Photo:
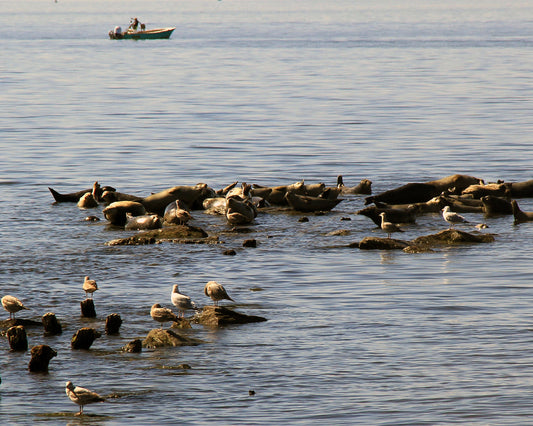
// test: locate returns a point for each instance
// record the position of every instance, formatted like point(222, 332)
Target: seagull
point(452, 217)
point(12, 305)
point(181, 301)
point(89, 286)
point(162, 315)
point(81, 396)
point(388, 227)
point(216, 292)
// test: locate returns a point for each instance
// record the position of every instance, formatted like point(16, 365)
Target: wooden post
point(84, 338)
point(51, 325)
point(40, 358)
point(87, 308)
point(16, 336)
point(112, 324)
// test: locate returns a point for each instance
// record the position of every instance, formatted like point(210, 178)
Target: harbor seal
point(192, 196)
point(519, 215)
point(422, 192)
point(116, 212)
point(144, 222)
point(494, 206)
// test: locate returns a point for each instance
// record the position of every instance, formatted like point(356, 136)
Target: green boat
point(141, 35)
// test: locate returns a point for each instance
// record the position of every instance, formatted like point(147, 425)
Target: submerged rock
point(217, 316)
point(377, 243)
point(185, 234)
point(159, 338)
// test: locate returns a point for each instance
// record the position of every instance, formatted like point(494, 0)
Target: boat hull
point(160, 33)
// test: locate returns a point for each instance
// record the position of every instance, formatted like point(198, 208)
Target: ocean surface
point(269, 92)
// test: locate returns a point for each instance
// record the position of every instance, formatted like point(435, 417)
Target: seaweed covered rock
point(377, 243)
point(177, 233)
point(216, 316)
point(453, 236)
point(158, 338)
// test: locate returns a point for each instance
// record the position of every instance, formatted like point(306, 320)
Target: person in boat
point(134, 24)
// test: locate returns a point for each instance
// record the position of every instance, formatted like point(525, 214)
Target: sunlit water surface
point(270, 93)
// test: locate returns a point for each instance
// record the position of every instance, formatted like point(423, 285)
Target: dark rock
point(26, 323)
point(84, 338)
point(135, 346)
point(249, 243)
point(229, 252)
point(158, 338)
point(87, 308)
point(453, 236)
point(216, 316)
point(376, 243)
point(17, 338)
point(184, 234)
point(112, 324)
point(303, 219)
point(52, 326)
point(40, 358)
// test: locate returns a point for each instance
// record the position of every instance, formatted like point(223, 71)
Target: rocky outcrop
point(159, 338)
point(184, 234)
point(217, 316)
point(453, 236)
point(377, 243)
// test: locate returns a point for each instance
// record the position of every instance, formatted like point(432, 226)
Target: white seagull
point(12, 305)
point(388, 227)
point(89, 286)
point(181, 301)
point(216, 292)
point(162, 315)
point(81, 396)
point(452, 217)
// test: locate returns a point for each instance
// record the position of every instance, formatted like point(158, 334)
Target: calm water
point(269, 92)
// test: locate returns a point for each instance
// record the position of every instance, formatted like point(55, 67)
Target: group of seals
point(458, 193)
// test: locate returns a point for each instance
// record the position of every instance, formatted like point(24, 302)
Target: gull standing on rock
point(181, 301)
point(12, 305)
point(452, 217)
point(81, 396)
point(89, 286)
point(216, 292)
point(388, 227)
point(162, 315)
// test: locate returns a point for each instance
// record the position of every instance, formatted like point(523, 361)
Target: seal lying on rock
point(239, 211)
point(144, 222)
point(494, 189)
point(116, 212)
point(521, 189)
point(74, 197)
point(407, 215)
point(364, 187)
point(494, 206)
point(306, 203)
point(422, 192)
point(193, 196)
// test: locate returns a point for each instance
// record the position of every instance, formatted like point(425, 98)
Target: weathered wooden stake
point(16, 336)
point(112, 324)
point(87, 308)
point(84, 338)
point(40, 358)
point(51, 325)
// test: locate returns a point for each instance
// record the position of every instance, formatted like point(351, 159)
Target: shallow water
point(269, 93)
